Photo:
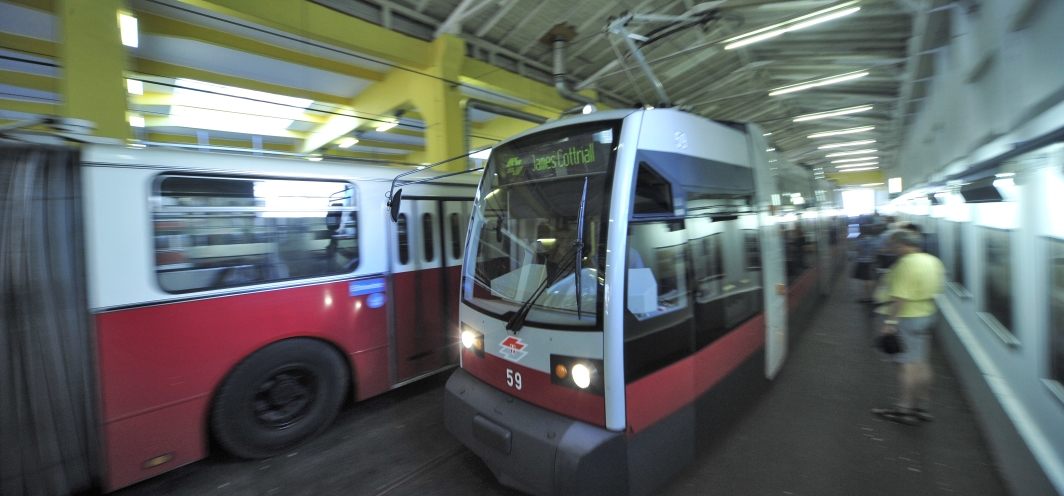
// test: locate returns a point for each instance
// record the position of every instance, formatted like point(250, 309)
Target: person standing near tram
point(907, 293)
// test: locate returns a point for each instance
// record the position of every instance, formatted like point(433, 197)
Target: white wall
point(999, 84)
point(994, 86)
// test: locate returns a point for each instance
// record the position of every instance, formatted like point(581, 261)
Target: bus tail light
point(582, 374)
point(473, 341)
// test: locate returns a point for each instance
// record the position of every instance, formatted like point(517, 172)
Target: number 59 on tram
point(622, 279)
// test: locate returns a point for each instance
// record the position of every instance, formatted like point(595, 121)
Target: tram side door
point(420, 344)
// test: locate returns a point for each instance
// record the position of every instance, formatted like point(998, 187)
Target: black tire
point(278, 397)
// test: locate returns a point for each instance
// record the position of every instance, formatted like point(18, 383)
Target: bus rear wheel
point(278, 397)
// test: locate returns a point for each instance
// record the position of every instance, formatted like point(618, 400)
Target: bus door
point(426, 336)
point(454, 223)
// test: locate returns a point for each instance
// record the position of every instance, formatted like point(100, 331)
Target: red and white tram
point(625, 285)
point(246, 298)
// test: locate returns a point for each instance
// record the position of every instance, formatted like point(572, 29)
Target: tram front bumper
point(530, 448)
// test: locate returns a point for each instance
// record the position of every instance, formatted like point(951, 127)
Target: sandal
point(897, 415)
point(922, 414)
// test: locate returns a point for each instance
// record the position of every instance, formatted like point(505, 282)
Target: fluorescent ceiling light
point(201, 105)
point(862, 164)
point(767, 134)
point(868, 185)
point(386, 126)
point(855, 152)
point(770, 150)
point(135, 87)
point(818, 82)
point(832, 113)
point(851, 130)
point(347, 142)
point(859, 159)
point(795, 24)
point(859, 169)
point(127, 25)
point(192, 93)
point(848, 143)
point(136, 120)
point(220, 120)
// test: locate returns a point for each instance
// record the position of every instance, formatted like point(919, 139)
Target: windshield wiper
point(517, 320)
point(579, 245)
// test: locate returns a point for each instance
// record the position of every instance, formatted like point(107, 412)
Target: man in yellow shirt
point(908, 293)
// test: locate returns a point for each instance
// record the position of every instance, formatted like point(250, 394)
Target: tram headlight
point(581, 375)
point(473, 341)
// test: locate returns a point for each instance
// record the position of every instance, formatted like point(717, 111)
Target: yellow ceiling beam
point(33, 46)
point(333, 152)
point(29, 107)
point(41, 5)
point(27, 80)
point(163, 69)
point(388, 144)
point(325, 25)
point(857, 178)
point(158, 25)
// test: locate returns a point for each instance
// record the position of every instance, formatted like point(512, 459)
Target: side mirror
point(397, 197)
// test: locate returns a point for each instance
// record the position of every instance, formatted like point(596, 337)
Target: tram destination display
point(569, 155)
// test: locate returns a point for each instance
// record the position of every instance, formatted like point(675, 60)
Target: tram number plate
point(513, 379)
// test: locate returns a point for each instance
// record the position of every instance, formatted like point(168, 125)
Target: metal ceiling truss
point(690, 67)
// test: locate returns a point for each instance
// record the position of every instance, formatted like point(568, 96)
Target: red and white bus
point(246, 297)
point(625, 286)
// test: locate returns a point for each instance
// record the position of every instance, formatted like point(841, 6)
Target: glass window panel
point(404, 239)
point(1056, 310)
point(653, 194)
point(998, 276)
point(216, 232)
point(958, 254)
point(656, 269)
point(456, 237)
point(426, 236)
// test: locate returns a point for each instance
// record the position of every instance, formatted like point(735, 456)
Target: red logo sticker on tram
point(513, 349)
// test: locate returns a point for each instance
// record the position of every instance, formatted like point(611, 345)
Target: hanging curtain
point(49, 441)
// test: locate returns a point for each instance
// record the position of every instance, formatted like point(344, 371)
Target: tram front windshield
point(526, 246)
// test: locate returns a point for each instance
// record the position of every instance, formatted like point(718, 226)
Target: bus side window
point(224, 232)
point(426, 236)
point(404, 239)
point(456, 234)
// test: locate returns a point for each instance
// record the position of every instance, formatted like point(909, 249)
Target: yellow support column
point(93, 58)
point(438, 99)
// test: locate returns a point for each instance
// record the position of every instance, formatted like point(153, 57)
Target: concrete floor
point(810, 434)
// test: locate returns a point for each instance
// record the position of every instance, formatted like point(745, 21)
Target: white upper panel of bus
point(118, 185)
point(174, 159)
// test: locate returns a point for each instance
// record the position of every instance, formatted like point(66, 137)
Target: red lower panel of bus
point(800, 289)
point(657, 395)
point(159, 364)
point(536, 387)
